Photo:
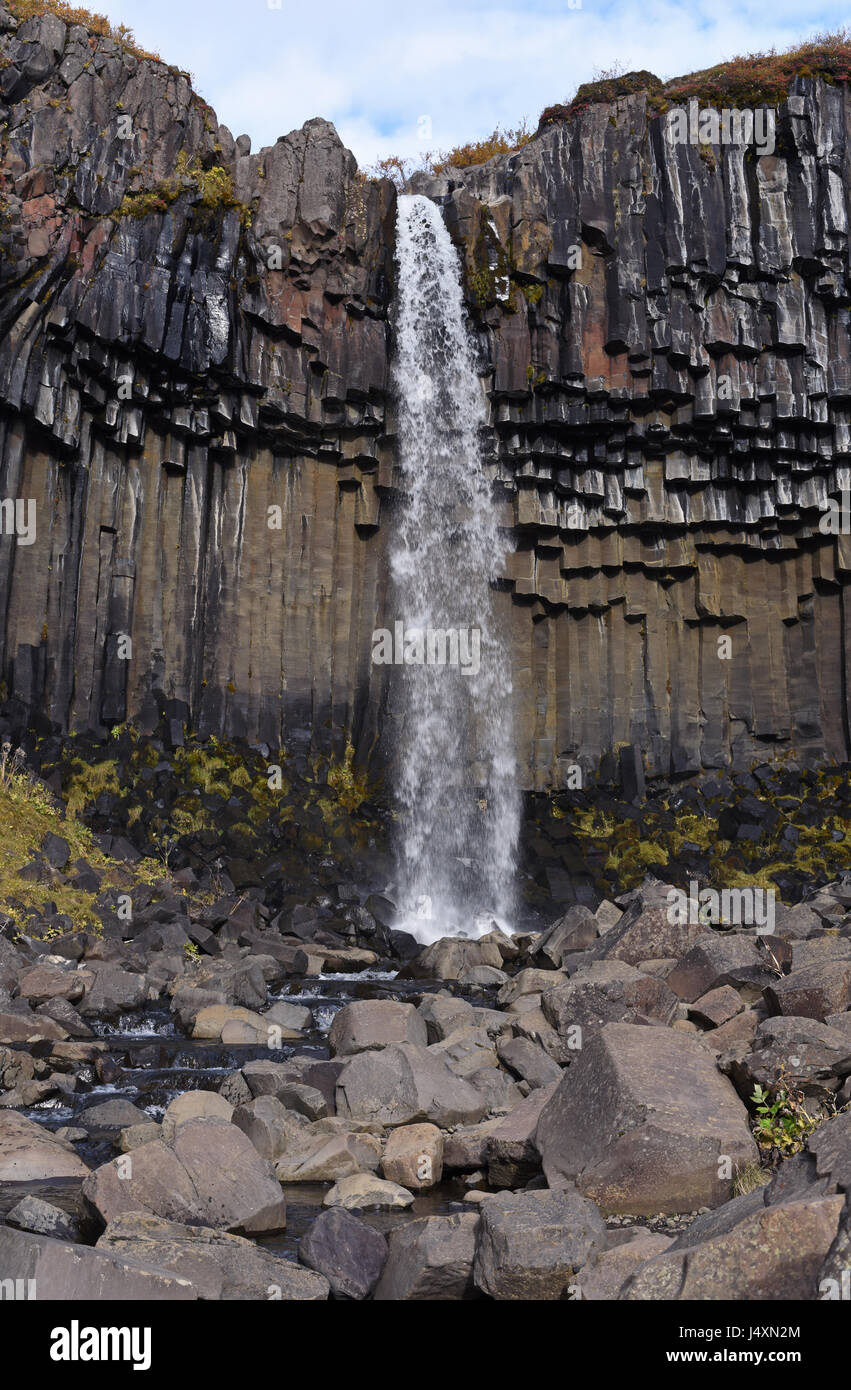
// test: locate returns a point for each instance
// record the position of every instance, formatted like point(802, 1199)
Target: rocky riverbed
point(217, 1094)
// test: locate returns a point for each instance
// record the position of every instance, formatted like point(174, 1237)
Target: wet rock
point(531, 1245)
point(662, 1116)
point(112, 991)
point(211, 1022)
point(431, 1258)
point(292, 1018)
point(111, 1116)
point(447, 958)
point(345, 1251)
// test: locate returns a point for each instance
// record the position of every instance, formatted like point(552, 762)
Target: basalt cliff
point(195, 395)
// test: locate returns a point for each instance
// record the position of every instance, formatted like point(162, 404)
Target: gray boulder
point(662, 1113)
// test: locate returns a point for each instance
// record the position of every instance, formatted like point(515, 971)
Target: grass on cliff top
point(751, 79)
point(97, 24)
point(500, 141)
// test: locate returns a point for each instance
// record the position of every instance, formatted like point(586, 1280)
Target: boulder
point(111, 991)
point(211, 1022)
point(608, 991)
point(402, 1083)
point(430, 1259)
point(366, 1192)
point(373, 1023)
point(217, 1265)
point(324, 1157)
point(443, 1014)
point(576, 930)
point(717, 1006)
point(447, 958)
point(662, 1116)
point(30, 1153)
point(211, 1176)
point(345, 1251)
point(44, 982)
point(718, 960)
point(529, 1062)
point(605, 1275)
point(413, 1156)
point(66, 1273)
point(813, 991)
point(510, 1151)
point(774, 1255)
point(194, 1105)
point(44, 1219)
point(110, 1116)
point(271, 1128)
point(646, 932)
point(532, 1244)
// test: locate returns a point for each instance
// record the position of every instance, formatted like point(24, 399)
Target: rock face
point(662, 1118)
point(193, 374)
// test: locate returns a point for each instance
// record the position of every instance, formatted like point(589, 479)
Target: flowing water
point(455, 776)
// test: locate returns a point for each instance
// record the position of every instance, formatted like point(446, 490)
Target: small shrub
point(782, 1124)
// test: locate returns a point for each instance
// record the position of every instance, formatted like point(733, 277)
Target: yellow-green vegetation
point(214, 186)
point(313, 811)
point(626, 848)
point(87, 781)
point(351, 785)
point(27, 813)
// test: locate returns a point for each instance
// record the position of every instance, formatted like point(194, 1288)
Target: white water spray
point(455, 774)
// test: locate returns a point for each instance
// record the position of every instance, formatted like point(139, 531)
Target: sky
point(416, 75)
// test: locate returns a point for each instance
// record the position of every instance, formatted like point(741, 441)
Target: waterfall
point(455, 783)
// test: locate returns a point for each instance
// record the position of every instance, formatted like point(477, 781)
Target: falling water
point(454, 779)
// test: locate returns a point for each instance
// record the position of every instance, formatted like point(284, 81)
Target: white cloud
point(375, 67)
